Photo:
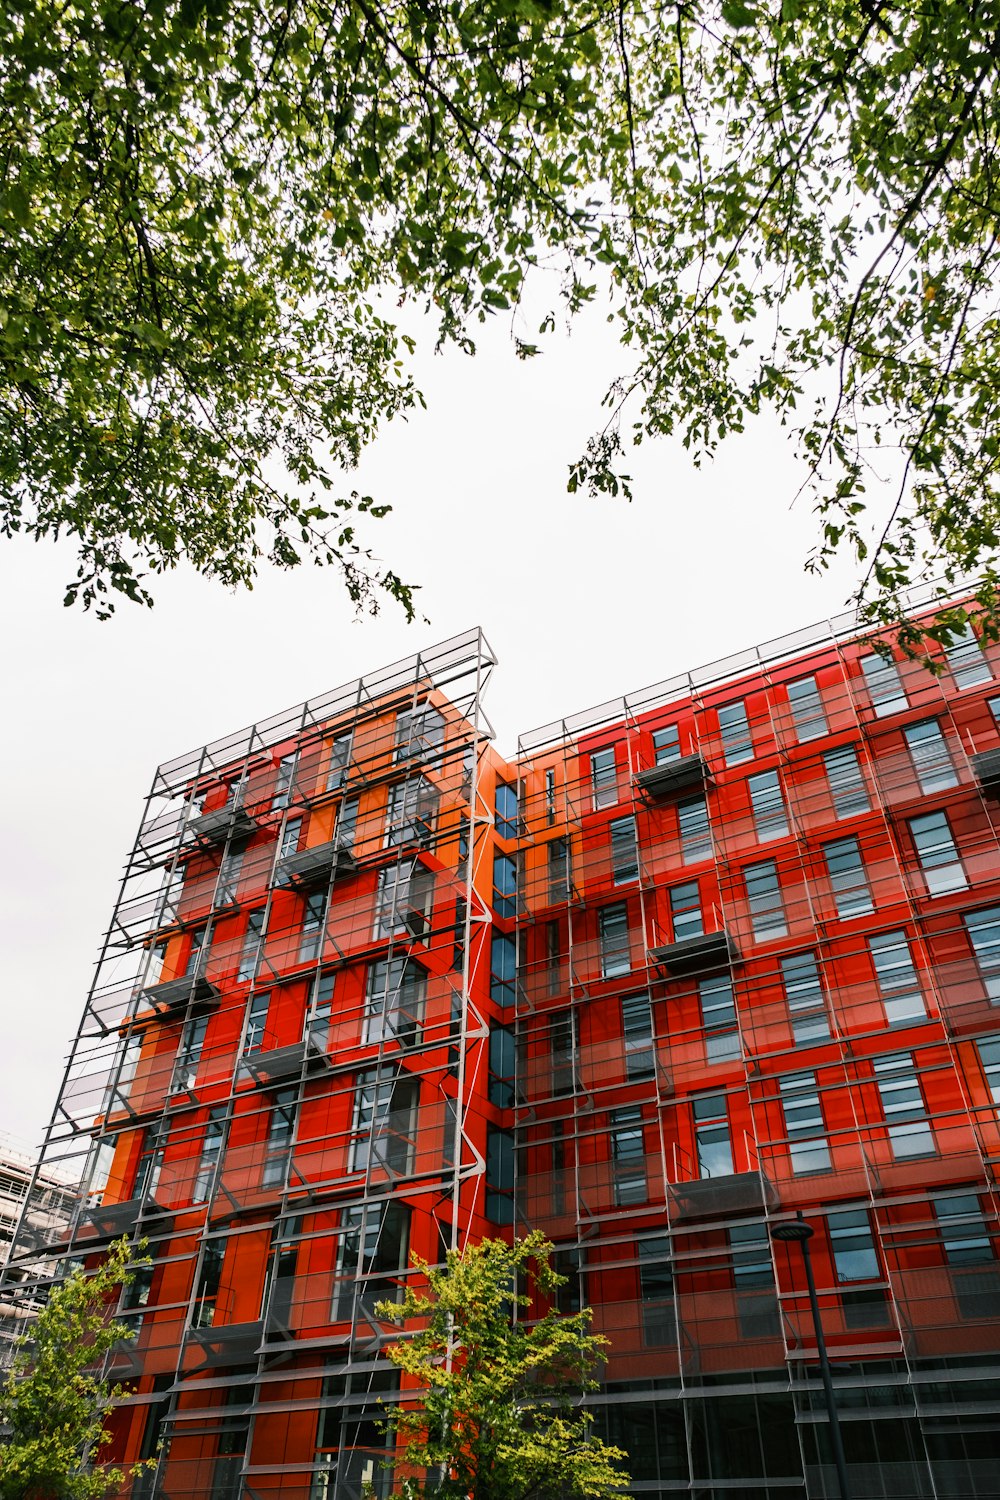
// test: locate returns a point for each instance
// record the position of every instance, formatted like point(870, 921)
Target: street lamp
point(797, 1231)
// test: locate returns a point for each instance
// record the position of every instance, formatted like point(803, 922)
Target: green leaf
point(736, 13)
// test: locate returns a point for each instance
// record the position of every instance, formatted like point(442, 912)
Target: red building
point(708, 956)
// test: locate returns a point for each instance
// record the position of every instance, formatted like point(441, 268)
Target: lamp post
point(797, 1231)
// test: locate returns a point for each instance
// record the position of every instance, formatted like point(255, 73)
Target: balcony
point(114, 1219)
point(315, 866)
point(308, 1055)
point(214, 828)
point(174, 994)
point(709, 950)
point(126, 1362)
point(718, 1197)
point(227, 1343)
point(986, 767)
point(672, 776)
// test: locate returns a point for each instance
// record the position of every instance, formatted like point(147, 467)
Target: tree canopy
point(55, 1400)
point(209, 210)
point(497, 1413)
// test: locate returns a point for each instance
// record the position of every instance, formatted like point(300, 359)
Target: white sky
point(581, 600)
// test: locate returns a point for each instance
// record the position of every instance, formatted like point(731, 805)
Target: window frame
point(614, 940)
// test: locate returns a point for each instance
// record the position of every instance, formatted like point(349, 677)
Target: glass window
point(501, 1086)
point(550, 795)
point(624, 851)
point(804, 1124)
point(604, 778)
point(281, 1131)
point(312, 926)
point(553, 958)
point(854, 1255)
point(563, 1043)
point(283, 780)
point(464, 834)
point(290, 836)
point(750, 1248)
point(253, 938)
point(734, 730)
point(848, 880)
point(753, 1279)
point(968, 665)
point(322, 996)
point(768, 806)
point(189, 1054)
point(147, 1175)
point(197, 951)
point(404, 899)
point(567, 1260)
point(903, 1106)
point(154, 965)
point(628, 1156)
point(983, 928)
point(352, 1433)
point(505, 885)
point(347, 823)
point(616, 957)
point(211, 1150)
point(499, 1175)
point(718, 1017)
point(856, 1260)
point(884, 685)
point(213, 1252)
point(767, 910)
point(685, 911)
point(637, 1031)
point(458, 934)
point(371, 1253)
point(847, 782)
point(231, 1447)
point(963, 1229)
point(412, 811)
point(989, 1058)
point(253, 1040)
point(130, 1053)
point(394, 1001)
point(897, 978)
point(656, 1290)
point(559, 870)
point(508, 822)
point(711, 1134)
point(229, 876)
point(171, 896)
point(560, 1175)
point(503, 969)
point(385, 1121)
point(666, 745)
point(419, 732)
point(806, 705)
point(804, 995)
point(929, 752)
point(937, 854)
point(695, 834)
point(340, 760)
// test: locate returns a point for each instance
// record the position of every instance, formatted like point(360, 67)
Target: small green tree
point(54, 1399)
point(499, 1415)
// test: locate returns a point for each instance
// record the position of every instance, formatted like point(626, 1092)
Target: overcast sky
point(582, 600)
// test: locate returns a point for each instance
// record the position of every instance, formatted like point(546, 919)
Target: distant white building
point(51, 1209)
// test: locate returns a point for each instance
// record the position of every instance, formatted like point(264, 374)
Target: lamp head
point(793, 1230)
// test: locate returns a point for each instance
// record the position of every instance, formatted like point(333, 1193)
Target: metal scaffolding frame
point(339, 849)
point(350, 858)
